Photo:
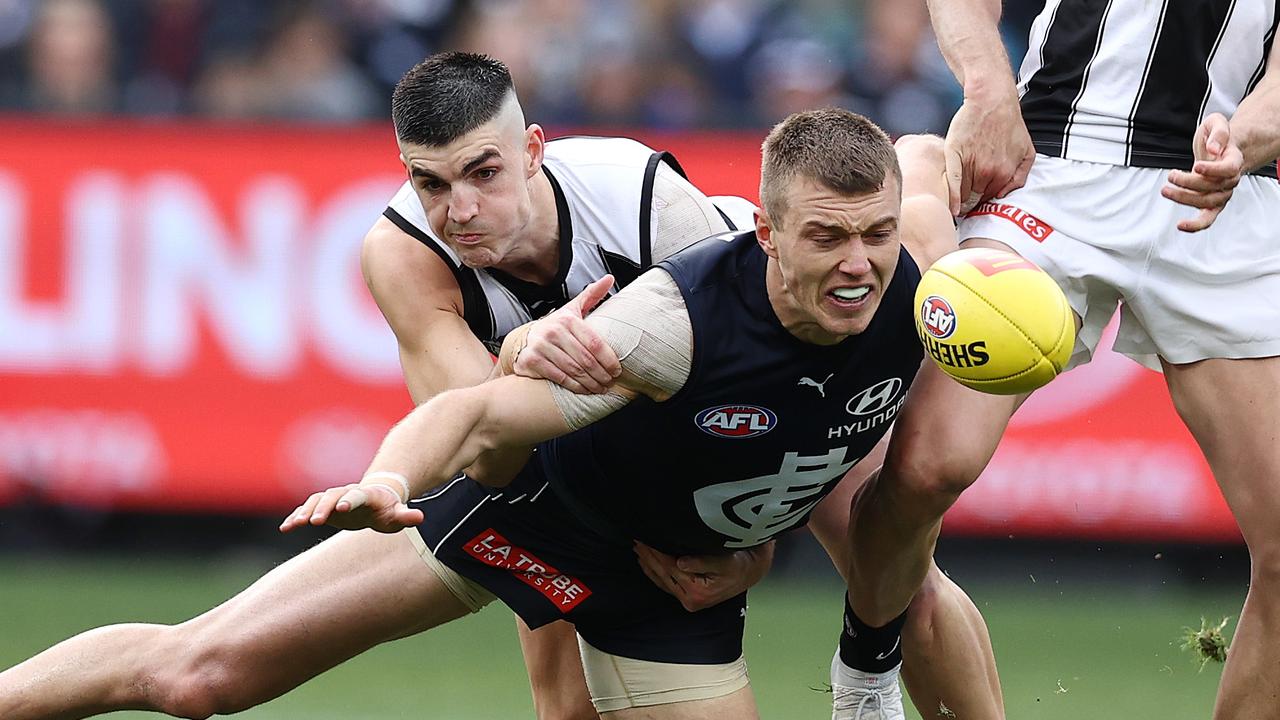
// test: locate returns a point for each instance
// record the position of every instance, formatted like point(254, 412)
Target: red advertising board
point(183, 326)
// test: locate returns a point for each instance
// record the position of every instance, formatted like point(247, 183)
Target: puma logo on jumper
point(814, 383)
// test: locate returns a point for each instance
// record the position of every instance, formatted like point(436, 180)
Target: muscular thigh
point(1230, 408)
point(830, 520)
point(346, 594)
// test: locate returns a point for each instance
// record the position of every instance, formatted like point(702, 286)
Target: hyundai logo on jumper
point(736, 421)
point(875, 398)
point(871, 408)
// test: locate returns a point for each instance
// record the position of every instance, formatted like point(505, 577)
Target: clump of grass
point(1207, 643)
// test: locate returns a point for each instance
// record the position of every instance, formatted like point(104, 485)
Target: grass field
point(1065, 650)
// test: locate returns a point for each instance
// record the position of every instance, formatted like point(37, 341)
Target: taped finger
point(355, 498)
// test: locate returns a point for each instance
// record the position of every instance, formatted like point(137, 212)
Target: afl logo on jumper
point(736, 421)
point(937, 317)
point(875, 398)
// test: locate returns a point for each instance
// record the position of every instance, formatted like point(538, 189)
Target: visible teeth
point(845, 293)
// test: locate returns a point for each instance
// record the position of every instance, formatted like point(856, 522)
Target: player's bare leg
point(555, 672)
point(1230, 407)
point(347, 594)
point(947, 657)
point(941, 442)
point(739, 705)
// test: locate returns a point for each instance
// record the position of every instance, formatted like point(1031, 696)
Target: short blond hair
point(839, 149)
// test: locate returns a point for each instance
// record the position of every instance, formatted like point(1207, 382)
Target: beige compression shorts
point(468, 592)
point(618, 683)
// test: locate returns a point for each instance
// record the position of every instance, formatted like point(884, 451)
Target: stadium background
point(186, 347)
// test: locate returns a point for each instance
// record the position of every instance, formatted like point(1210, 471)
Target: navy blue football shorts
point(524, 545)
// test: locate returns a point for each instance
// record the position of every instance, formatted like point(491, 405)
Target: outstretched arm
point(989, 152)
point(647, 326)
point(431, 445)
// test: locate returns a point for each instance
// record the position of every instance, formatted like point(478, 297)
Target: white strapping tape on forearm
point(404, 493)
point(648, 327)
point(649, 321)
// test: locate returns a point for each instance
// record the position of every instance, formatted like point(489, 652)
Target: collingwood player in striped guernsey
point(496, 227)
point(1149, 149)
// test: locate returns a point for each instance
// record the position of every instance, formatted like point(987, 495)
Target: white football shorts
point(1108, 237)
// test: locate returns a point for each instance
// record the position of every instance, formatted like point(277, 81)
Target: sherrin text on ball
point(994, 321)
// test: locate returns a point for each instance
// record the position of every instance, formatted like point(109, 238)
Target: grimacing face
point(475, 190)
point(834, 255)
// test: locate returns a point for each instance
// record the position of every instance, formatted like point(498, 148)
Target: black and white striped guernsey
point(604, 193)
point(1127, 82)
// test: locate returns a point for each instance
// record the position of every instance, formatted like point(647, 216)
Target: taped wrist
point(380, 478)
point(512, 344)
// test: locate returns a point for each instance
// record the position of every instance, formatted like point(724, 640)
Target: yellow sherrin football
point(994, 321)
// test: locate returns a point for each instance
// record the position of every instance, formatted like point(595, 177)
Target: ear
point(535, 146)
point(405, 163)
point(764, 234)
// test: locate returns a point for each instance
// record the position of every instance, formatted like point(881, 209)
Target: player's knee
point(204, 689)
point(932, 480)
point(200, 680)
point(1264, 573)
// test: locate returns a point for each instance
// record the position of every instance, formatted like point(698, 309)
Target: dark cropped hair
point(448, 95)
point(839, 149)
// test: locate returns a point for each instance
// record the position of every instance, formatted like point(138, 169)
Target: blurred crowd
point(603, 63)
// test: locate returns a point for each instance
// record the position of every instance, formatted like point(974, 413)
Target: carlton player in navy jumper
point(1154, 126)
point(714, 344)
point(536, 233)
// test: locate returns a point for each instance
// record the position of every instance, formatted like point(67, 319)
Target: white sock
point(846, 677)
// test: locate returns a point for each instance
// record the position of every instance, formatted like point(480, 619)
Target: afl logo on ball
point(736, 421)
point(937, 317)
